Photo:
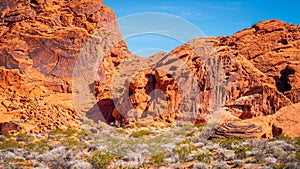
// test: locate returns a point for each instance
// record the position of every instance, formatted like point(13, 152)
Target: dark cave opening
point(282, 83)
point(35, 2)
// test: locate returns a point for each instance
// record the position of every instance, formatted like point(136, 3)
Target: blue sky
point(213, 18)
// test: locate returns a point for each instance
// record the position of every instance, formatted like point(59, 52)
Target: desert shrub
point(84, 134)
point(40, 146)
point(56, 131)
point(199, 125)
point(121, 131)
point(241, 151)
point(190, 134)
point(238, 163)
point(141, 133)
point(11, 143)
point(227, 142)
point(101, 159)
point(158, 158)
point(279, 166)
point(183, 149)
point(222, 165)
point(200, 165)
point(24, 137)
point(298, 155)
point(73, 143)
point(283, 137)
point(68, 132)
point(203, 157)
point(297, 141)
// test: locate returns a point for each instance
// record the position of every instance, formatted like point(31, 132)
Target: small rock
point(175, 166)
point(34, 163)
point(248, 166)
point(126, 158)
point(223, 165)
point(200, 165)
point(81, 164)
point(169, 160)
point(20, 139)
point(238, 163)
point(199, 144)
point(2, 138)
point(229, 156)
point(251, 153)
point(94, 131)
point(270, 160)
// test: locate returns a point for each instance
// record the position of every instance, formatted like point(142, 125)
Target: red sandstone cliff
point(40, 41)
point(252, 75)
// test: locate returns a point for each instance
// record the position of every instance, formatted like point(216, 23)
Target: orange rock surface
point(39, 45)
point(252, 74)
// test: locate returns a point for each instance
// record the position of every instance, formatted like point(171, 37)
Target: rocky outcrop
point(286, 121)
point(26, 107)
point(272, 47)
point(44, 38)
point(40, 44)
point(9, 128)
point(266, 73)
point(153, 96)
point(250, 74)
point(47, 54)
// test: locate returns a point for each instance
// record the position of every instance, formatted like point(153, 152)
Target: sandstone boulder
point(236, 129)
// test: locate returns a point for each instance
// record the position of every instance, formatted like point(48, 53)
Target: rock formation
point(39, 46)
point(254, 80)
point(237, 129)
point(47, 55)
point(266, 78)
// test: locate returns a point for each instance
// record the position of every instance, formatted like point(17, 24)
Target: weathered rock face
point(251, 74)
point(153, 96)
point(43, 38)
point(287, 120)
point(265, 76)
point(26, 107)
point(258, 76)
point(40, 42)
point(272, 47)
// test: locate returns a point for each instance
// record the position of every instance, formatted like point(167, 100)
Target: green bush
point(283, 137)
point(241, 151)
point(24, 137)
point(157, 159)
point(72, 143)
point(121, 131)
point(298, 154)
point(227, 142)
point(297, 141)
point(279, 166)
point(183, 149)
point(40, 146)
point(203, 157)
point(141, 133)
point(68, 132)
point(56, 131)
point(101, 159)
point(11, 143)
